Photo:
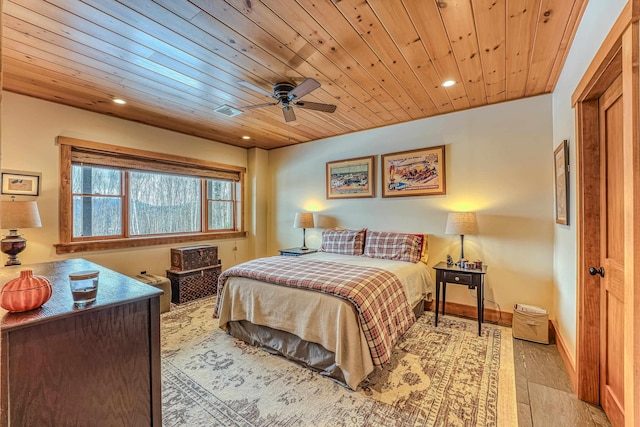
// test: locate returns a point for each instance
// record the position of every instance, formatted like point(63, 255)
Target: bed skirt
point(308, 354)
point(311, 355)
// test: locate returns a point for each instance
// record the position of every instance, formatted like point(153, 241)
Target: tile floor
point(544, 393)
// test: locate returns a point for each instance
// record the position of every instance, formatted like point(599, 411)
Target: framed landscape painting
point(351, 178)
point(414, 173)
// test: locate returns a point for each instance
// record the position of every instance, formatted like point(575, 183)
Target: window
point(97, 201)
point(118, 197)
point(220, 204)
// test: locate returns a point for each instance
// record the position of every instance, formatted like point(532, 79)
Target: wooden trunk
point(193, 284)
point(193, 257)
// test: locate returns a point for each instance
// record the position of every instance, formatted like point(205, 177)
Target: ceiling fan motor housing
point(281, 91)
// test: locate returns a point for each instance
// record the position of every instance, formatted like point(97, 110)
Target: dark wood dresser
point(97, 366)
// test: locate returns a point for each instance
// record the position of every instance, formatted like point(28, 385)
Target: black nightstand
point(471, 277)
point(297, 251)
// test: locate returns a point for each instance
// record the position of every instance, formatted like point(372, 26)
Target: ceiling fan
point(287, 95)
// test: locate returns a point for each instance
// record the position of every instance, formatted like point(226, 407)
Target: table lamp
point(303, 220)
point(462, 223)
point(14, 215)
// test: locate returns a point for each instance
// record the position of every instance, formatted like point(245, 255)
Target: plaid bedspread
point(377, 294)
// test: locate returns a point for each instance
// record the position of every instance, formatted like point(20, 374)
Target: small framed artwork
point(351, 178)
point(414, 173)
point(20, 184)
point(561, 169)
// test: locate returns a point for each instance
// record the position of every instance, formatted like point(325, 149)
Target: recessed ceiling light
point(119, 101)
point(246, 137)
point(448, 83)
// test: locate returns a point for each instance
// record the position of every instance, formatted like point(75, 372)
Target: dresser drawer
point(455, 277)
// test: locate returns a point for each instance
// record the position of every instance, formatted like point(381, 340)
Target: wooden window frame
point(72, 149)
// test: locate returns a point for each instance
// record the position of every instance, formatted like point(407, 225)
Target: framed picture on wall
point(351, 178)
point(20, 184)
point(561, 168)
point(414, 173)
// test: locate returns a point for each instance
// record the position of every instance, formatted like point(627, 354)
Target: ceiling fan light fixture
point(119, 101)
point(448, 83)
point(288, 113)
point(246, 137)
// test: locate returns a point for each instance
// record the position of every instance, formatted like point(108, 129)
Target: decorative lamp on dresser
point(98, 365)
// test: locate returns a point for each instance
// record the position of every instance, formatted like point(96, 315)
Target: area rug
point(444, 376)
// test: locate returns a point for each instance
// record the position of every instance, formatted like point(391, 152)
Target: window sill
point(136, 242)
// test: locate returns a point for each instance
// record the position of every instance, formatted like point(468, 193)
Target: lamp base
point(461, 261)
point(12, 245)
point(304, 240)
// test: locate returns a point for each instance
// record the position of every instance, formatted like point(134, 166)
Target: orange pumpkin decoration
point(25, 292)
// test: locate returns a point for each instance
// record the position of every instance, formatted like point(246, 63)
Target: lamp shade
point(462, 223)
point(14, 215)
point(303, 220)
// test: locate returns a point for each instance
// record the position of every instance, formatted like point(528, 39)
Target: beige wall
point(29, 129)
point(595, 25)
point(498, 163)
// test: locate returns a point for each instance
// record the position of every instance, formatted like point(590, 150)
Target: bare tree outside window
point(162, 203)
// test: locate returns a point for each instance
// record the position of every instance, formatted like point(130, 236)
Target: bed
point(320, 329)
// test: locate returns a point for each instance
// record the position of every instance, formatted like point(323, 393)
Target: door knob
point(593, 271)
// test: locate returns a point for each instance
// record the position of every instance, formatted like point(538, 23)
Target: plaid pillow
point(395, 246)
point(345, 242)
point(424, 251)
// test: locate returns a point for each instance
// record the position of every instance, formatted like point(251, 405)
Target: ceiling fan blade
point(308, 85)
point(288, 113)
point(255, 88)
point(327, 108)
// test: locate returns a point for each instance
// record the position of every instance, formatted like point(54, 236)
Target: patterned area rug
point(445, 376)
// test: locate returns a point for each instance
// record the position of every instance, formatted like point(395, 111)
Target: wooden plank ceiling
point(379, 61)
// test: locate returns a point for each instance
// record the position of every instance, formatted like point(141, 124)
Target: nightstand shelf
point(297, 251)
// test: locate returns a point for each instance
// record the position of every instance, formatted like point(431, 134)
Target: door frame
point(617, 55)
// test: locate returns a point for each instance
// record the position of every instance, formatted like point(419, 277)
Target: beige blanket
point(315, 317)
